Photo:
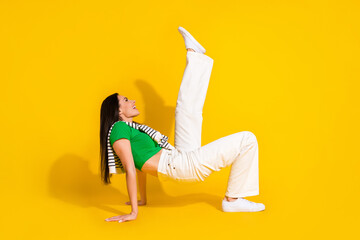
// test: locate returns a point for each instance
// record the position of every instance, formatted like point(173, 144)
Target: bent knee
point(251, 136)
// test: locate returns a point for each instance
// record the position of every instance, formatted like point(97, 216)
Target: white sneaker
point(242, 205)
point(190, 41)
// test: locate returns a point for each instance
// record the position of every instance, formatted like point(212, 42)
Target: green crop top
point(143, 146)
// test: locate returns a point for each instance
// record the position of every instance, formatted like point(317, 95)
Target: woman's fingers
point(115, 218)
point(121, 218)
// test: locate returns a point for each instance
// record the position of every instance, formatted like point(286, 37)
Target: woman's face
point(127, 108)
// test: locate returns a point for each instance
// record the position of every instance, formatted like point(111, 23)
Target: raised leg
point(190, 101)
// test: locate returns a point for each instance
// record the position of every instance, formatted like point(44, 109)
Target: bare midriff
point(151, 165)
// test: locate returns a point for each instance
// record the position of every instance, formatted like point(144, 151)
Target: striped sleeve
point(120, 130)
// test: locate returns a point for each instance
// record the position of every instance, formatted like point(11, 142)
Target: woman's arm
point(142, 186)
point(122, 148)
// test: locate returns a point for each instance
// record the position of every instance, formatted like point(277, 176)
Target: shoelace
point(250, 202)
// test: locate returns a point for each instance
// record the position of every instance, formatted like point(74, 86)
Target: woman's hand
point(122, 218)
point(140, 203)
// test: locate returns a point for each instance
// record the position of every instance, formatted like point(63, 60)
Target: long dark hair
point(109, 114)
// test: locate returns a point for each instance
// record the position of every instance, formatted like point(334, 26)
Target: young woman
point(136, 149)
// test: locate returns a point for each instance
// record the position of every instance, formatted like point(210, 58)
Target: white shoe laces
point(252, 203)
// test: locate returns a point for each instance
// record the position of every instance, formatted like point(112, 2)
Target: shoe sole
point(197, 44)
point(245, 211)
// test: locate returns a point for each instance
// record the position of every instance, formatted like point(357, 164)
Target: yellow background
point(288, 71)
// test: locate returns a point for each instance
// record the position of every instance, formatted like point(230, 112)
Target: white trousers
point(190, 161)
